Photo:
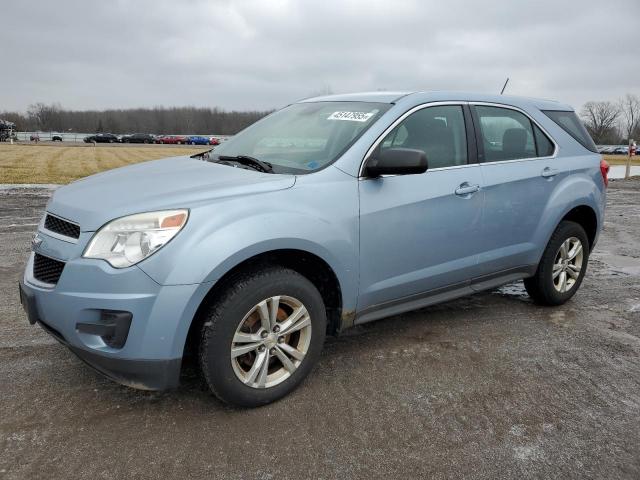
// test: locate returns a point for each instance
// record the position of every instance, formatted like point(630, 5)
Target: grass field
point(621, 159)
point(63, 164)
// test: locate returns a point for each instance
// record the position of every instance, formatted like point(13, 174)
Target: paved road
point(489, 386)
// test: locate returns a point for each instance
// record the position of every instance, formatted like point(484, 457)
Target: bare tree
point(45, 117)
point(630, 118)
point(600, 118)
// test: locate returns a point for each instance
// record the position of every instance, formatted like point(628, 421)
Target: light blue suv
point(329, 213)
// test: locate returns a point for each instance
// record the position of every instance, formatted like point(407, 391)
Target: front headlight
point(128, 240)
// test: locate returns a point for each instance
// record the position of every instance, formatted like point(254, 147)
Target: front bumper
point(160, 317)
point(141, 374)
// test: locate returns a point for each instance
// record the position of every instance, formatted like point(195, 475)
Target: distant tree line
point(608, 122)
point(157, 120)
point(613, 123)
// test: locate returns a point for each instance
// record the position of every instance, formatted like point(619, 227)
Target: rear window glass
point(506, 134)
point(571, 124)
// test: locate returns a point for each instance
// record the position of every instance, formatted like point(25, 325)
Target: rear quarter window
point(544, 146)
point(571, 124)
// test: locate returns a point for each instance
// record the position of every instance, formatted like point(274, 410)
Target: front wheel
point(562, 267)
point(262, 336)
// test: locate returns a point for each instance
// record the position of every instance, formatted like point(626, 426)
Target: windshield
point(303, 137)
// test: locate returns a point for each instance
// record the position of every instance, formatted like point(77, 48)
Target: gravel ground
point(489, 386)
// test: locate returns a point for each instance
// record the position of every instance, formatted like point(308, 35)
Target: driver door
point(419, 233)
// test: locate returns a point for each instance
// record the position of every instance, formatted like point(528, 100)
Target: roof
point(440, 96)
point(379, 97)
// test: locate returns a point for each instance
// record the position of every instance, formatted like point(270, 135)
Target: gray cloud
point(257, 54)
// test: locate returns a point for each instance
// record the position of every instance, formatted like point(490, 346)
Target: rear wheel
point(262, 337)
point(562, 267)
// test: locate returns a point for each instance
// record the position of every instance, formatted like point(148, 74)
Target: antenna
point(504, 86)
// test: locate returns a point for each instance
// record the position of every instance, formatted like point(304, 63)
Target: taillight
point(604, 169)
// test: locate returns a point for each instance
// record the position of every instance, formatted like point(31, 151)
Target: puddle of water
point(622, 264)
point(560, 318)
point(513, 290)
point(617, 171)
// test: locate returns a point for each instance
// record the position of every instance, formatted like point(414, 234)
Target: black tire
point(541, 286)
point(224, 316)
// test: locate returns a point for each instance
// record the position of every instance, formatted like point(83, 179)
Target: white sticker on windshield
point(351, 116)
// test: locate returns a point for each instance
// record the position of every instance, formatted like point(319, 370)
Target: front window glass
point(304, 137)
point(438, 131)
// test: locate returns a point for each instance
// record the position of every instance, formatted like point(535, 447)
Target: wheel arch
point(580, 212)
point(310, 265)
point(586, 217)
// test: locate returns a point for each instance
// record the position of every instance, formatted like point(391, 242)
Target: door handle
point(549, 172)
point(466, 189)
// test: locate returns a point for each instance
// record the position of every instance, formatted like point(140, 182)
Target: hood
point(178, 182)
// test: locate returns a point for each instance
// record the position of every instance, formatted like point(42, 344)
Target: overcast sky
point(259, 54)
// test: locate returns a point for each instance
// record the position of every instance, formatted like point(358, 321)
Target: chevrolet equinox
point(329, 213)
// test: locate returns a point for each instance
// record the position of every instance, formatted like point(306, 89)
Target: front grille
point(47, 269)
point(63, 227)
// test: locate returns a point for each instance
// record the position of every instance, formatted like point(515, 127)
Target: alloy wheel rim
point(271, 341)
point(568, 264)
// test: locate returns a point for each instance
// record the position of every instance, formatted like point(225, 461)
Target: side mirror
point(396, 161)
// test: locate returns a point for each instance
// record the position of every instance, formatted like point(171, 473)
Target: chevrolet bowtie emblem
point(36, 241)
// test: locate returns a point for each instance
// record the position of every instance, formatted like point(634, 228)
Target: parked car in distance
point(329, 213)
point(101, 138)
point(197, 140)
point(138, 138)
point(56, 138)
point(214, 141)
point(173, 139)
point(621, 151)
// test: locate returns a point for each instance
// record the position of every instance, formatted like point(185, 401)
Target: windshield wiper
point(265, 167)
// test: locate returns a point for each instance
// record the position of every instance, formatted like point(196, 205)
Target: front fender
point(220, 236)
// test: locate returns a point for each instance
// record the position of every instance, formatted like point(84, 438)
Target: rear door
point(519, 171)
point(419, 233)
